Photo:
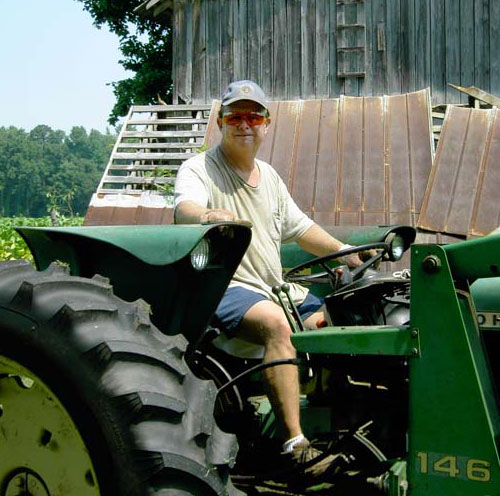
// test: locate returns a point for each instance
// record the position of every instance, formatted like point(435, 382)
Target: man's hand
point(216, 215)
point(352, 260)
point(220, 215)
point(367, 254)
point(357, 259)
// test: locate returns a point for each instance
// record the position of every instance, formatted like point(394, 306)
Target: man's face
point(240, 125)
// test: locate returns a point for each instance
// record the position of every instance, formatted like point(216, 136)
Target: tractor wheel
point(94, 400)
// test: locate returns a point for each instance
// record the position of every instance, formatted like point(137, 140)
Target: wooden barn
point(311, 49)
point(355, 86)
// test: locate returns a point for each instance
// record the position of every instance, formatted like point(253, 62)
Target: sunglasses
point(251, 118)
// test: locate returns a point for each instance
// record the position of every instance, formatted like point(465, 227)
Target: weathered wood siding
point(293, 47)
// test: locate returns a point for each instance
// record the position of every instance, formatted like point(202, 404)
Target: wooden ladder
point(351, 38)
point(152, 144)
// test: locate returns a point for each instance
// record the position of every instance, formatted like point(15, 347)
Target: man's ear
point(268, 123)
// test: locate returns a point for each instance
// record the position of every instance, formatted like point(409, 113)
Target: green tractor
point(112, 383)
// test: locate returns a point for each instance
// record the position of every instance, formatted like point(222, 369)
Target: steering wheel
point(355, 273)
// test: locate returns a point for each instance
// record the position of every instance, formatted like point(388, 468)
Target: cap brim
point(239, 98)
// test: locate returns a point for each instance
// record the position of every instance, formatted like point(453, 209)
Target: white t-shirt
point(210, 181)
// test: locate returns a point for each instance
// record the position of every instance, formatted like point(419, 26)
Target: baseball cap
point(244, 90)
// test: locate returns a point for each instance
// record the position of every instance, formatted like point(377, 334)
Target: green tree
point(44, 168)
point(19, 161)
point(147, 52)
point(83, 168)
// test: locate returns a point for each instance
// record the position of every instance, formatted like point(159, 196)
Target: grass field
point(12, 246)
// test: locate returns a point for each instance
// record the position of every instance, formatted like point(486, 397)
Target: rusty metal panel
point(302, 183)
point(356, 160)
point(421, 153)
point(409, 154)
point(118, 216)
point(388, 157)
point(374, 198)
point(462, 194)
point(323, 208)
point(109, 216)
point(284, 139)
point(266, 150)
point(399, 161)
point(118, 209)
point(350, 167)
point(486, 215)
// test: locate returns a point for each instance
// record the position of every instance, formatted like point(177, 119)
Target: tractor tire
point(94, 400)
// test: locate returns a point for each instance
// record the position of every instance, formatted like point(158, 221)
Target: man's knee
point(266, 322)
point(279, 330)
point(317, 319)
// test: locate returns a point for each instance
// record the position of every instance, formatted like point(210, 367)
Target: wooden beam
point(146, 145)
point(163, 134)
point(152, 156)
point(138, 180)
point(143, 167)
point(150, 122)
point(478, 94)
point(169, 108)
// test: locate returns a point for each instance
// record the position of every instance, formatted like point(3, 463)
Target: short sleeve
point(189, 185)
point(295, 222)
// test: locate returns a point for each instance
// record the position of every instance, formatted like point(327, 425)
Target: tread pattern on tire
point(168, 410)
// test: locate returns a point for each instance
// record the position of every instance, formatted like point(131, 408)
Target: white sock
point(288, 445)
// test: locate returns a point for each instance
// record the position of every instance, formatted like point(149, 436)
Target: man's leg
point(316, 319)
point(265, 323)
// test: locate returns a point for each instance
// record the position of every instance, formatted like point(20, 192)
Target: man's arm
point(189, 212)
point(318, 242)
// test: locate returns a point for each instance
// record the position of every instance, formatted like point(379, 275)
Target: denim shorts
point(237, 301)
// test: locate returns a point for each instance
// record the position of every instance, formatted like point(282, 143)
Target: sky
point(55, 66)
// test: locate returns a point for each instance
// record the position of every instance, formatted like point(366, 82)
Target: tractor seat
point(221, 365)
point(237, 347)
point(220, 339)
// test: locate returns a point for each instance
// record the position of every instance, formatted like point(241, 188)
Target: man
point(226, 183)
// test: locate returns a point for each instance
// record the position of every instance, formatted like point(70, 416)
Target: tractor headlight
point(200, 255)
point(397, 247)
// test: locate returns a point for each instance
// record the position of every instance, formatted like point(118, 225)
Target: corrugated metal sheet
point(486, 214)
point(462, 195)
point(353, 160)
point(117, 215)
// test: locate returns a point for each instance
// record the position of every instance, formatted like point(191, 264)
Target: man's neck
point(241, 159)
point(243, 163)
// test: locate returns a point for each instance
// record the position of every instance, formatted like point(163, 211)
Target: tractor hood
point(360, 235)
point(182, 271)
point(292, 254)
point(154, 245)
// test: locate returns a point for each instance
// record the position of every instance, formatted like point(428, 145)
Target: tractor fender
point(153, 263)
point(152, 244)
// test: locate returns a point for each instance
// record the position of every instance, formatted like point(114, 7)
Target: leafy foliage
point(12, 246)
point(43, 166)
point(147, 52)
